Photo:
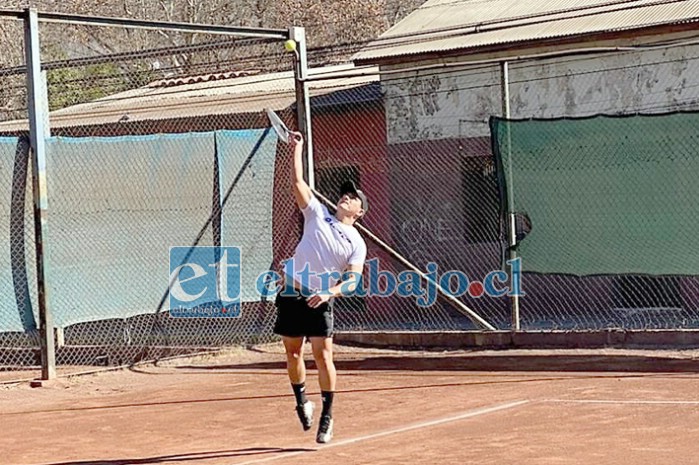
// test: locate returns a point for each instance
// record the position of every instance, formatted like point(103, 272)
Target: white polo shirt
point(326, 245)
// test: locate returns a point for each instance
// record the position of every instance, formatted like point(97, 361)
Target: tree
point(335, 29)
point(75, 85)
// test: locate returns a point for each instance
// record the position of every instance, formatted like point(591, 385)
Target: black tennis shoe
point(325, 430)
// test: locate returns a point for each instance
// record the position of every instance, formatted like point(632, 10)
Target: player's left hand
point(316, 300)
point(295, 139)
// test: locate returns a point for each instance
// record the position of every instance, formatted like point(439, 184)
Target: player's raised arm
point(299, 187)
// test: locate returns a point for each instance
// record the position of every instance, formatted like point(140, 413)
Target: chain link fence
point(146, 153)
point(19, 336)
point(158, 147)
point(653, 81)
point(438, 192)
point(19, 340)
point(175, 193)
point(433, 199)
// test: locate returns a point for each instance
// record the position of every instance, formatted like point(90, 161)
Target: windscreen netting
point(118, 204)
point(603, 195)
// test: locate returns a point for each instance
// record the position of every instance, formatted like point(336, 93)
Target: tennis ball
point(290, 45)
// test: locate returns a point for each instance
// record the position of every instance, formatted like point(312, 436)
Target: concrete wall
point(436, 104)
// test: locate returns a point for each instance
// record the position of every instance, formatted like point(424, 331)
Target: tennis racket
point(278, 125)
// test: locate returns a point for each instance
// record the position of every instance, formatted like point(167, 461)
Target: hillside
point(335, 29)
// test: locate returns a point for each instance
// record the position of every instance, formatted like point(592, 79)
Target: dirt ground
point(392, 407)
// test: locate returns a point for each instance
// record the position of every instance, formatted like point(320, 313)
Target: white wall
point(435, 104)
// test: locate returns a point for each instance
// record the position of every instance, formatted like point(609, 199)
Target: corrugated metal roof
point(236, 95)
point(445, 25)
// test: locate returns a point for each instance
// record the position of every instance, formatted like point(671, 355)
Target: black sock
point(299, 393)
point(327, 397)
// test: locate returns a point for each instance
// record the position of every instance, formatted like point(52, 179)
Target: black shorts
point(296, 319)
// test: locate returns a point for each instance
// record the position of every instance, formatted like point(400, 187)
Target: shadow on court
point(189, 457)
point(505, 363)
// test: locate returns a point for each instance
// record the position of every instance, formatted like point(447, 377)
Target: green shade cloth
point(246, 167)
point(17, 266)
point(117, 205)
point(604, 195)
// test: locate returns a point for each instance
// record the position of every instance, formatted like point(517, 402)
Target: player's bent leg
point(296, 369)
point(295, 365)
point(323, 355)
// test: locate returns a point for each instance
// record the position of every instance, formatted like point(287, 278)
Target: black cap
point(349, 186)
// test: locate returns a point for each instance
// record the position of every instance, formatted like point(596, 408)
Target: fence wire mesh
point(647, 82)
point(438, 190)
point(433, 199)
point(19, 340)
point(13, 100)
point(417, 142)
point(151, 197)
point(19, 335)
point(149, 149)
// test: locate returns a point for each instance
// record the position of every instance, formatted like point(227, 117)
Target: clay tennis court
point(525, 407)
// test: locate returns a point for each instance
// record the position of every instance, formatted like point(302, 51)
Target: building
point(441, 71)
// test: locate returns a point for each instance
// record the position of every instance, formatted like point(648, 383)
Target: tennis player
point(330, 246)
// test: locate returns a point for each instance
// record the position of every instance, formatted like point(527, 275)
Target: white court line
point(621, 402)
point(426, 424)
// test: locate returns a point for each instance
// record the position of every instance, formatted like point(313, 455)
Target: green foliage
point(71, 86)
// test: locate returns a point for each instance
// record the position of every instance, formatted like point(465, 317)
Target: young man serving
point(326, 264)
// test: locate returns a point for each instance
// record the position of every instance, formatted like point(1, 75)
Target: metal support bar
point(17, 14)
point(475, 317)
point(512, 226)
point(38, 107)
point(262, 33)
point(112, 57)
point(303, 99)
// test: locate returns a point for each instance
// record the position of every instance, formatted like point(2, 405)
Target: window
point(329, 179)
point(481, 200)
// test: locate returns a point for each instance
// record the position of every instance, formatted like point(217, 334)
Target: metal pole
point(252, 32)
point(512, 226)
point(303, 99)
point(38, 108)
point(391, 251)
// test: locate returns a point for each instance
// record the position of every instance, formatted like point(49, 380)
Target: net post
point(511, 224)
point(38, 127)
point(303, 100)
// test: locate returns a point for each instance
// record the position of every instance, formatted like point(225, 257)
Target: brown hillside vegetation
point(335, 29)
